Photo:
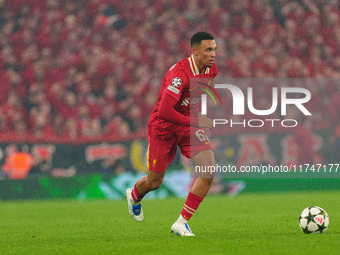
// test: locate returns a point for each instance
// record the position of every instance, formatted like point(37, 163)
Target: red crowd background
point(91, 70)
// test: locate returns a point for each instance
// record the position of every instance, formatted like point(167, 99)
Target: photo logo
point(206, 87)
point(295, 96)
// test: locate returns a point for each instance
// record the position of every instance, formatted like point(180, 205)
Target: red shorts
point(162, 152)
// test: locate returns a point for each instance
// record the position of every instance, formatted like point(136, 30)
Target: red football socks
point(190, 206)
point(137, 197)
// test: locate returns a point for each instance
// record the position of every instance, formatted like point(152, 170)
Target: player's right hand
point(204, 122)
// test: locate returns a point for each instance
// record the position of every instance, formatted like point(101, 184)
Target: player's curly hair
point(199, 36)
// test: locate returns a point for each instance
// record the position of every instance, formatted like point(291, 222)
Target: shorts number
point(201, 135)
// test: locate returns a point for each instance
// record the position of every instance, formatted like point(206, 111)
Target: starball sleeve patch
point(176, 82)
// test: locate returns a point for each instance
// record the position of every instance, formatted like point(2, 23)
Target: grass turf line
point(245, 224)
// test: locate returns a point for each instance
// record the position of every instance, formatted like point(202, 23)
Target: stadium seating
point(92, 69)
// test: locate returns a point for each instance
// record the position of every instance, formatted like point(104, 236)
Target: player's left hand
point(204, 122)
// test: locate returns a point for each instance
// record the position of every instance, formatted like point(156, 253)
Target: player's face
point(207, 52)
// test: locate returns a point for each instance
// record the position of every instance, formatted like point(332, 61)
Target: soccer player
point(169, 127)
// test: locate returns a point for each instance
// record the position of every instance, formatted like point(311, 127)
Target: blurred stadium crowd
point(92, 69)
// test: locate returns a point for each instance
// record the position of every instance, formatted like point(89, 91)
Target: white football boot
point(135, 210)
point(181, 229)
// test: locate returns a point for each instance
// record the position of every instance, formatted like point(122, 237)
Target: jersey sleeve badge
point(176, 82)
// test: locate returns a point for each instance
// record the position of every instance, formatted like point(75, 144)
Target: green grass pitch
point(253, 223)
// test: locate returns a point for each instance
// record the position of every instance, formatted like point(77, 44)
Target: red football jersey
point(176, 83)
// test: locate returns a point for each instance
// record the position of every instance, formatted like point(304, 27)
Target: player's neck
point(200, 67)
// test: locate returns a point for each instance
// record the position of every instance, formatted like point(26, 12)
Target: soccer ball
point(313, 220)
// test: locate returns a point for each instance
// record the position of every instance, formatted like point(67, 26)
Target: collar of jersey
point(194, 68)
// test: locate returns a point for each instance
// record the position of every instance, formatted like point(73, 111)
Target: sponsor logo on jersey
point(176, 82)
point(186, 101)
point(195, 100)
point(171, 88)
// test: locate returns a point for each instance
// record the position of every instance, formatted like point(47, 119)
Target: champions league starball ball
point(314, 220)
